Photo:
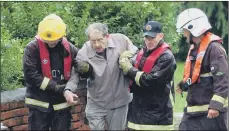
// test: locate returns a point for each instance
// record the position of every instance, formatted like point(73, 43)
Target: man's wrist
point(67, 90)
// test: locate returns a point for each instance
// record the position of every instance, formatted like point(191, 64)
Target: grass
point(180, 102)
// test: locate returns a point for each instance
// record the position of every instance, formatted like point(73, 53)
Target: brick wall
point(14, 114)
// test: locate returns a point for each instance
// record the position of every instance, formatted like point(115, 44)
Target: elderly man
point(108, 95)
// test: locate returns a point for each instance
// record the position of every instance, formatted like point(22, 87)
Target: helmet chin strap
point(190, 39)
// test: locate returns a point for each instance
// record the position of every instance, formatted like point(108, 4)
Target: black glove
point(59, 88)
point(183, 86)
point(81, 67)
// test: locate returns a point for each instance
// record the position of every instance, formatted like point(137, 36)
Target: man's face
point(97, 40)
point(150, 40)
point(153, 40)
point(52, 44)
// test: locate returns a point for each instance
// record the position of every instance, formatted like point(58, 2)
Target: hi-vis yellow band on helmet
point(51, 28)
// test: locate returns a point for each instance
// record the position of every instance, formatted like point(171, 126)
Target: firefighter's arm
point(219, 69)
point(31, 74)
point(163, 69)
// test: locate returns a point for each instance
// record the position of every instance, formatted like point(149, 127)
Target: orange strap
point(208, 38)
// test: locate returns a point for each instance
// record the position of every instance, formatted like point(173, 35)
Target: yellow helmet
point(51, 28)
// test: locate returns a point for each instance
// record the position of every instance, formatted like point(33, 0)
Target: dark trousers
point(190, 123)
point(54, 120)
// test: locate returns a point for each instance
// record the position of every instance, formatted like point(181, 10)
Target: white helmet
point(194, 20)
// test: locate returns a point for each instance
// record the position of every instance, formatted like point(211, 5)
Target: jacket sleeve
point(162, 72)
point(83, 56)
point(30, 69)
point(219, 69)
point(75, 79)
point(129, 45)
point(74, 52)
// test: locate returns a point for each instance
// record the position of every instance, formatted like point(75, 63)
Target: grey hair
point(97, 26)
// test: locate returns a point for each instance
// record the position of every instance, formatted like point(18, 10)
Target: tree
point(19, 23)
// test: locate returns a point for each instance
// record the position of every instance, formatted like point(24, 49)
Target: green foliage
point(19, 23)
point(22, 18)
point(180, 101)
point(11, 61)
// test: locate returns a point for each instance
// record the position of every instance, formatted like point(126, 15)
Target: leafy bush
point(11, 61)
point(19, 23)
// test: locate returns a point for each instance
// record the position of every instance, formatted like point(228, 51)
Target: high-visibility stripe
point(171, 98)
point(137, 77)
point(197, 108)
point(203, 107)
point(36, 102)
point(225, 103)
point(150, 127)
point(60, 106)
point(209, 74)
point(218, 98)
point(45, 104)
point(44, 83)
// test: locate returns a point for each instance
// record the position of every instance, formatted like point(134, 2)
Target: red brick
point(82, 115)
point(15, 121)
point(84, 128)
point(5, 115)
point(76, 109)
point(25, 119)
point(14, 113)
point(21, 127)
point(75, 117)
point(17, 104)
point(5, 107)
point(76, 125)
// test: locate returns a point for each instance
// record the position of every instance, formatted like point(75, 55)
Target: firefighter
point(108, 96)
point(47, 64)
point(151, 75)
point(205, 78)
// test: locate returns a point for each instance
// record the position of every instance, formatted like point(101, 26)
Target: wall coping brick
point(13, 95)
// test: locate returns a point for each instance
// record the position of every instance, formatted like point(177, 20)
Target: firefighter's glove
point(82, 67)
point(125, 65)
point(183, 86)
point(60, 88)
point(126, 54)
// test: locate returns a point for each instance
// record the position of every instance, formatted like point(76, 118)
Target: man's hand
point(60, 88)
point(212, 113)
point(126, 54)
point(70, 97)
point(125, 65)
point(81, 66)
